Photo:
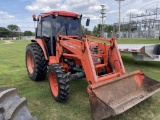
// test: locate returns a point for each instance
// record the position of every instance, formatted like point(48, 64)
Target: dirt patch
point(8, 42)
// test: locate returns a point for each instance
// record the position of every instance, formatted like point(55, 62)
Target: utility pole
point(139, 29)
point(123, 26)
point(158, 21)
point(130, 26)
point(119, 17)
point(157, 11)
point(102, 16)
point(149, 29)
point(159, 28)
point(19, 33)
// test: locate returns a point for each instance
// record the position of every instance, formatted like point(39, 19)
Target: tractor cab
point(58, 22)
point(54, 23)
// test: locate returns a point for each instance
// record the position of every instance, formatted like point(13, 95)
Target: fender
point(41, 44)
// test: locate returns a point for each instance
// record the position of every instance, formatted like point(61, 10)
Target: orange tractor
point(60, 45)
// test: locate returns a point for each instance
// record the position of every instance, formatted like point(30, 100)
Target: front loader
point(60, 45)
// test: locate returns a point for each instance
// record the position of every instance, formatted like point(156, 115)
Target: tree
point(108, 28)
point(85, 31)
point(4, 32)
point(27, 33)
point(33, 33)
point(14, 29)
point(97, 30)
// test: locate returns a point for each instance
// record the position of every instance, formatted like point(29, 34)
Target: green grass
point(41, 103)
point(138, 41)
point(133, 41)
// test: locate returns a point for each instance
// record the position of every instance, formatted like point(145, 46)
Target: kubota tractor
point(60, 45)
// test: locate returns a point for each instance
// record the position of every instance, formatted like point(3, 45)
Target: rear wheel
point(12, 107)
point(35, 62)
point(158, 50)
point(59, 85)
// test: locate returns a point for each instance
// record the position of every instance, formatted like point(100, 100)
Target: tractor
point(61, 50)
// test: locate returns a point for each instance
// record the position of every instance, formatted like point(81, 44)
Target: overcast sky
point(20, 11)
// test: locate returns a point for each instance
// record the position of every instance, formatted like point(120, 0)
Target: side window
point(54, 27)
point(46, 27)
point(38, 29)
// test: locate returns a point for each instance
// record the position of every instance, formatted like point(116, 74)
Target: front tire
point(59, 85)
point(35, 62)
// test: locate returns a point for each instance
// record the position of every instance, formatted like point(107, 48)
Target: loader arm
point(80, 49)
point(115, 91)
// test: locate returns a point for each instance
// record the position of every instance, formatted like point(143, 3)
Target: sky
point(20, 12)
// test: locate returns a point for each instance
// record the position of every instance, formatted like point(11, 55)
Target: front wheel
point(59, 85)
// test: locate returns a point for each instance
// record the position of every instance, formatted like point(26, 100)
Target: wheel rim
point(53, 83)
point(30, 63)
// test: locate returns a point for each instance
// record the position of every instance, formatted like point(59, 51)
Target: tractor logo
point(71, 46)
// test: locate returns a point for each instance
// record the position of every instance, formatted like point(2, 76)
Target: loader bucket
point(114, 96)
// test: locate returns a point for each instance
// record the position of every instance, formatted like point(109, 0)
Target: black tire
point(62, 81)
point(12, 107)
point(158, 50)
point(40, 63)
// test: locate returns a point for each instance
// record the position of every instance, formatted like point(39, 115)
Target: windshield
point(67, 26)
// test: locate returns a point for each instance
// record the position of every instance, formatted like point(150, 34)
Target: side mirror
point(87, 22)
point(34, 17)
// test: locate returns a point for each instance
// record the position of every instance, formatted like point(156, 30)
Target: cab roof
point(60, 13)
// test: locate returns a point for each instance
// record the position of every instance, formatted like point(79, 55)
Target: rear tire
point(12, 107)
point(35, 62)
point(158, 50)
point(59, 85)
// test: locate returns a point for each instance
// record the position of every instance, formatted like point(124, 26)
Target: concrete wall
point(27, 37)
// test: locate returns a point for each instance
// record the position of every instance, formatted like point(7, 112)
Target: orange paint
point(52, 60)
point(39, 41)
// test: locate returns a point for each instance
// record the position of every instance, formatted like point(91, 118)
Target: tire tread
point(62, 82)
point(40, 71)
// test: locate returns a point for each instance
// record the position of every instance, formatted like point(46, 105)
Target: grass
point(41, 103)
point(138, 41)
point(134, 41)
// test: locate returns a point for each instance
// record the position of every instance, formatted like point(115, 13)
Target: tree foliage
point(14, 29)
point(86, 31)
point(108, 28)
point(27, 33)
point(97, 29)
point(4, 32)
